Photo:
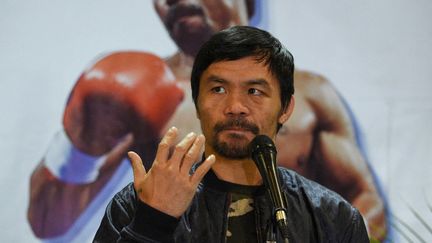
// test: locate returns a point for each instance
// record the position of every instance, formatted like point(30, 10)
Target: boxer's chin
point(191, 35)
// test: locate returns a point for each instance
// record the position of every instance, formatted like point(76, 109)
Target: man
point(242, 86)
point(319, 141)
point(68, 205)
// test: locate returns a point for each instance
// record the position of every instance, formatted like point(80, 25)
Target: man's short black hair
point(244, 41)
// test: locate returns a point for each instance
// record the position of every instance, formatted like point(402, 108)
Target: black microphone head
point(261, 144)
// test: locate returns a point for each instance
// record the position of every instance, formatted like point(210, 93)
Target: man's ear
point(286, 113)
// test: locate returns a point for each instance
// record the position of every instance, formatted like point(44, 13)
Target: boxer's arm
point(59, 191)
point(343, 169)
point(338, 158)
point(111, 99)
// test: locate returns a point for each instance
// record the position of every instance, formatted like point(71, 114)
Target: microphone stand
point(278, 222)
point(272, 231)
point(281, 221)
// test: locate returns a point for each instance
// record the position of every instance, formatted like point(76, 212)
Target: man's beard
point(189, 38)
point(239, 149)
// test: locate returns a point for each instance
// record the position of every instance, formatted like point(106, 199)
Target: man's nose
point(236, 105)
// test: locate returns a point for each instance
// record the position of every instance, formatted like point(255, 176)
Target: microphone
point(263, 153)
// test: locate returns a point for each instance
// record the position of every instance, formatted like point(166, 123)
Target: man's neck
point(243, 172)
point(181, 65)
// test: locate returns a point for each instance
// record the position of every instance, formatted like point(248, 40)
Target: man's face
point(191, 22)
point(238, 100)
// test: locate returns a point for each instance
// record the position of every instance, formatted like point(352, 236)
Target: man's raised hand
point(168, 186)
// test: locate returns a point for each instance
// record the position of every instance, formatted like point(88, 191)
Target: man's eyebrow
point(216, 79)
point(259, 81)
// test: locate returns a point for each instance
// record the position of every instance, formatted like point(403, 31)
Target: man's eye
point(218, 90)
point(254, 91)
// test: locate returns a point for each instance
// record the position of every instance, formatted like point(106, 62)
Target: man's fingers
point(165, 144)
point(181, 149)
point(138, 168)
point(192, 155)
point(203, 169)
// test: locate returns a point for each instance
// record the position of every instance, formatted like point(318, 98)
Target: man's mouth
point(236, 129)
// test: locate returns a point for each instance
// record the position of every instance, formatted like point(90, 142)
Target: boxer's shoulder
point(305, 79)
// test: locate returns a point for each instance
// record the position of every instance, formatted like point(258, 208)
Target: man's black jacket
point(315, 214)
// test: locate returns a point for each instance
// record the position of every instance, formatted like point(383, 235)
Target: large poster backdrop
point(77, 77)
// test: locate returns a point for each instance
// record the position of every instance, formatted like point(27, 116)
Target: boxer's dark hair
point(244, 41)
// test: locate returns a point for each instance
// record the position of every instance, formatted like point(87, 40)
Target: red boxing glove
point(121, 93)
